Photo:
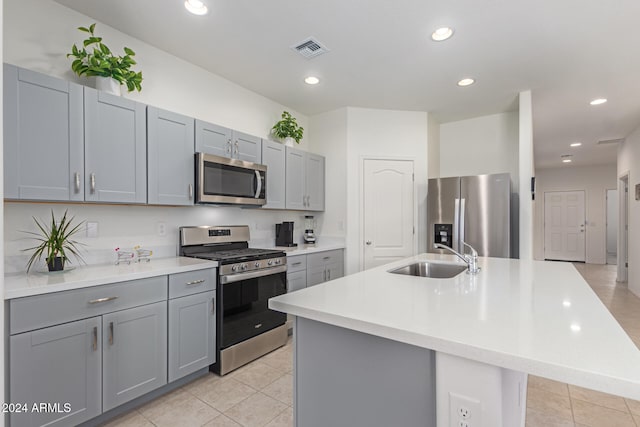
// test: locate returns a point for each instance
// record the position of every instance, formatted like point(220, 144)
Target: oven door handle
point(232, 278)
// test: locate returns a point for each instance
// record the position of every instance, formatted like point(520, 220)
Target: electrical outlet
point(162, 229)
point(464, 411)
point(92, 229)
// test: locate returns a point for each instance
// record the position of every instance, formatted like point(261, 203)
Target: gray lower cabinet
point(43, 137)
point(324, 266)
point(221, 141)
point(273, 156)
point(192, 333)
point(60, 364)
point(305, 174)
point(170, 158)
point(134, 353)
point(115, 146)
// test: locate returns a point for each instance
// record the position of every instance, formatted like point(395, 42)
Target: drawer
point(39, 311)
point(296, 263)
point(296, 280)
point(326, 257)
point(192, 282)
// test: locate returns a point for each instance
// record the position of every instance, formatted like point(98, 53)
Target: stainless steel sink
point(436, 270)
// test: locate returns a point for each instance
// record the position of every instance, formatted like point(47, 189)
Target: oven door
point(244, 300)
point(229, 181)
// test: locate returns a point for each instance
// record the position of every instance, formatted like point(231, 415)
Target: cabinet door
point(247, 147)
point(59, 365)
point(273, 156)
point(296, 280)
point(134, 353)
point(316, 274)
point(43, 137)
point(295, 176)
point(335, 270)
point(213, 139)
point(115, 148)
point(170, 157)
point(314, 182)
point(192, 334)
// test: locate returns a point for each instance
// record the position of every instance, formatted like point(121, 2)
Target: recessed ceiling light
point(566, 303)
point(466, 82)
point(566, 160)
point(575, 144)
point(441, 34)
point(575, 327)
point(311, 80)
point(598, 101)
point(196, 7)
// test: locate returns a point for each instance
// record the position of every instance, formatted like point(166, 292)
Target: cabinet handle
point(92, 180)
point(99, 300)
point(296, 263)
point(236, 149)
point(195, 282)
point(190, 191)
point(326, 258)
point(213, 305)
point(324, 277)
point(110, 333)
point(94, 346)
point(77, 181)
point(308, 201)
point(329, 274)
point(229, 146)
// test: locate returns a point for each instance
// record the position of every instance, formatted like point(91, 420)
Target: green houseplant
point(288, 128)
point(94, 58)
point(55, 242)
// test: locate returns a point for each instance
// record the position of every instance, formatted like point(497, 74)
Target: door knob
point(368, 242)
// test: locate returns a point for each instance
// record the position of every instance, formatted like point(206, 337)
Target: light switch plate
point(92, 229)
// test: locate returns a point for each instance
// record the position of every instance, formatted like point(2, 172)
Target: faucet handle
point(474, 253)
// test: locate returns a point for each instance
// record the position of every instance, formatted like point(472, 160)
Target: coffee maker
point(284, 234)
point(309, 224)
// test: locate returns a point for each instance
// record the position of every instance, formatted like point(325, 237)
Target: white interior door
point(564, 225)
point(612, 226)
point(388, 214)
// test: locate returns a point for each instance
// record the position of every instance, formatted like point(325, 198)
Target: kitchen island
point(377, 348)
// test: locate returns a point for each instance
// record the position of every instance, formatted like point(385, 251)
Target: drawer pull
point(213, 305)
point(110, 333)
point(99, 300)
point(95, 338)
point(326, 258)
point(297, 263)
point(195, 282)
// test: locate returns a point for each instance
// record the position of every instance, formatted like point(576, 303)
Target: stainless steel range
point(247, 278)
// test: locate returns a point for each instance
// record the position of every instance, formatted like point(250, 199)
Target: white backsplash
point(126, 226)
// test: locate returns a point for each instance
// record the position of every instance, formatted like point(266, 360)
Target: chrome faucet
point(470, 259)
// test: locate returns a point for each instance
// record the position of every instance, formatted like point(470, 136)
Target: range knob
point(244, 266)
point(234, 267)
point(278, 261)
point(270, 262)
point(257, 265)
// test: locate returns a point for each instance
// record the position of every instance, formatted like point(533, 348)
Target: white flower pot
point(109, 85)
point(289, 142)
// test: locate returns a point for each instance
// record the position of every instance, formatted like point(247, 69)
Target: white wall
point(4, 337)
point(594, 181)
point(39, 33)
point(433, 151)
point(390, 134)
point(629, 161)
point(329, 132)
point(526, 167)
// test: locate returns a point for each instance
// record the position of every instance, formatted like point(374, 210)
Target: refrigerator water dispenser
point(443, 234)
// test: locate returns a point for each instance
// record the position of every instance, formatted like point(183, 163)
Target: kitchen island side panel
point(348, 378)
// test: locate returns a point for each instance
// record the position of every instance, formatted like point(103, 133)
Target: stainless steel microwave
point(229, 181)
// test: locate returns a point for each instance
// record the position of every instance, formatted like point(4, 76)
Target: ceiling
point(567, 52)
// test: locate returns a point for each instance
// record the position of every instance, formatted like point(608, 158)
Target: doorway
point(612, 227)
point(623, 228)
point(564, 226)
point(388, 211)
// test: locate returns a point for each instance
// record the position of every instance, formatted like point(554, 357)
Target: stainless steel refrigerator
point(473, 209)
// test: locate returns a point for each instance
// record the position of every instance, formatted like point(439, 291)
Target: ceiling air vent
point(310, 48)
point(610, 141)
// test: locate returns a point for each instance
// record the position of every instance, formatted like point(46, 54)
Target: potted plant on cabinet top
point(288, 129)
point(55, 242)
point(94, 58)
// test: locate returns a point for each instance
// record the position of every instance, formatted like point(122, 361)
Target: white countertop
point(35, 283)
point(537, 317)
point(310, 249)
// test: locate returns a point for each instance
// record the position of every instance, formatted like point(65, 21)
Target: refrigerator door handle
point(456, 224)
point(462, 215)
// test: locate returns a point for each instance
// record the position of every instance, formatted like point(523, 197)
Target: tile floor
point(260, 394)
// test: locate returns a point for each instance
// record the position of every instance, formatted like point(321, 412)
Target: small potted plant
point(55, 242)
point(288, 129)
point(94, 58)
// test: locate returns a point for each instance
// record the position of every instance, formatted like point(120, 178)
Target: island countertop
point(537, 317)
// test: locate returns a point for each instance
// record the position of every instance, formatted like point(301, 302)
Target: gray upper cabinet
point(273, 156)
point(304, 180)
point(225, 142)
point(115, 148)
point(213, 139)
point(135, 353)
point(170, 158)
point(60, 364)
point(43, 137)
